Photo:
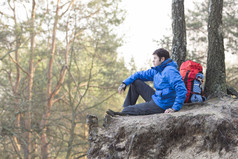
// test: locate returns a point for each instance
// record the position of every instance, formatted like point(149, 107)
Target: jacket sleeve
point(147, 75)
point(176, 82)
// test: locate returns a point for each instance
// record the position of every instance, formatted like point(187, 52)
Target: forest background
point(59, 62)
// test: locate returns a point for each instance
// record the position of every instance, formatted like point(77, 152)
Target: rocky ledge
point(208, 130)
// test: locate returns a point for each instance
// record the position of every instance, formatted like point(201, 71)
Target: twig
point(60, 98)
point(89, 80)
point(131, 144)
point(99, 102)
point(18, 65)
point(81, 156)
point(15, 148)
point(13, 50)
point(8, 53)
point(72, 1)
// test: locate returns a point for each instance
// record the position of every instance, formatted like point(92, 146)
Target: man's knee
point(129, 110)
point(126, 109)
point(137, 82)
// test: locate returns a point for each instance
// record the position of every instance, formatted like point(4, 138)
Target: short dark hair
point(162, 53)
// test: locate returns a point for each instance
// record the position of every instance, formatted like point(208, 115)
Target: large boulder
point(207, 130)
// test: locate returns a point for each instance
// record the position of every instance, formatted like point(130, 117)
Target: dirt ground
point(202, 131)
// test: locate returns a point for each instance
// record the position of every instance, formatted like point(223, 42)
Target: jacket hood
point(168, 62)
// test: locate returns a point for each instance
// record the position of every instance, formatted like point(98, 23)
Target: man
point(170, 92)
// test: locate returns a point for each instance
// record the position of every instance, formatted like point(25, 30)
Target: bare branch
point(62, 6)
point(60, 82)
point(89, 79)
point(72, 1)
point(15, 148)
point(72, 77)
point(11, 6)
point(13, 50)
point(34, 68)
point(90, 15)
point(18, 65)
point(26, 10)
point(8, 53)
point(81, 156)
point(60, 98)
point(97, 104)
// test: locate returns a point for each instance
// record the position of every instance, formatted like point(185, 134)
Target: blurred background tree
point(71, 48)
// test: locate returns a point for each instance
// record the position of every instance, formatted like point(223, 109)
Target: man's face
point(156, 61)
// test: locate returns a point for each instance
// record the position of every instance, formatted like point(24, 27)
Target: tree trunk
point(179, 32)
point(51, 94)
point(71, 139)
point(27, 151)
point(46, 115)
point(216, 73)
point(15, 87)
point(17, 103)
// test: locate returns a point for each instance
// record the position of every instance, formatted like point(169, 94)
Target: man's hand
point(121, 88)
point(170, 110)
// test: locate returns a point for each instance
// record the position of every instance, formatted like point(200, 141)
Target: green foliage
point(132, 66)
point(196, 21)
point(93, 71)
point(165, 42)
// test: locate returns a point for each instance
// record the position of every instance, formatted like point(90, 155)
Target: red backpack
point(189, 70)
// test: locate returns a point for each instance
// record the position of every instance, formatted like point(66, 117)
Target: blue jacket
point(170, 88)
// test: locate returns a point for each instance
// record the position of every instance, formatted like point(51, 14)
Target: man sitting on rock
point(170, 92)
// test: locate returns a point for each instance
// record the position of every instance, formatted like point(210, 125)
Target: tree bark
point(27, 151)
point(51, 94)
point(46, 115)
point(15, 87)
point(179, 32)
point(216, 72)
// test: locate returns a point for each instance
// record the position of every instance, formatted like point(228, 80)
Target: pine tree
point(179, 32)
point(216, 73)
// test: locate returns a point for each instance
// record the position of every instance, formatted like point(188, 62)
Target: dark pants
point(137, 88)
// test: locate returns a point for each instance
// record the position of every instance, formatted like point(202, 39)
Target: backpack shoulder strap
point(186, 78)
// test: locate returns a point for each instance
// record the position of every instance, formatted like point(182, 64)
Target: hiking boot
point(112, 113)
point(120, 113)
